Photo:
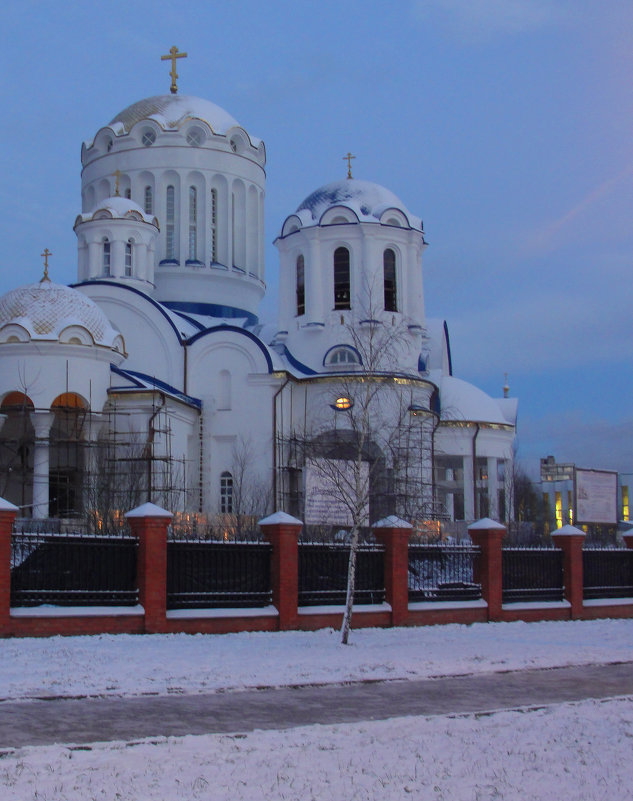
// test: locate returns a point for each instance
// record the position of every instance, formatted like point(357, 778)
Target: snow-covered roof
point(117, 208)
point(45, 310)
point(463, 401)
point(367, 200)
point(171, 111)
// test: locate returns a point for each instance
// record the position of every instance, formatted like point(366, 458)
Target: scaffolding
point(100, 464)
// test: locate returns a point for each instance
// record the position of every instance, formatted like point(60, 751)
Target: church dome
point(171, 111)
point(52, 312)
point(368, 201)
point(117, 208)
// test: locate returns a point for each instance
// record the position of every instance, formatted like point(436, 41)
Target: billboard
point(596, 496)
point(330, 490)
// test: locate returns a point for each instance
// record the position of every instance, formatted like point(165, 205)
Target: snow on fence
point(150, 582)
point(443, 572)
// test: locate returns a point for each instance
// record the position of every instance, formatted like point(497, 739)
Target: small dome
point(117, 208)
point(367, 200)
point(171, 111)
point(45, 310)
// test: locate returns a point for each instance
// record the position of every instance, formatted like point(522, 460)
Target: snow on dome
point(118, 208)
point(170, 111)
point(367, 200)
point(463, 401)
point(46, 309)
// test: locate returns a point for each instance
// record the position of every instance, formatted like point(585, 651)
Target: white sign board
point(329, 483)
point(596, 496)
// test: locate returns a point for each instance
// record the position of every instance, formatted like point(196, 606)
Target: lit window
point(128, 258)
point(226, 493)
point(389, 271)
point(301, 286)
point(149, 200)
point(149, 137)
point(193, 227)
point(570, 506)
point(559, 509)
point(341, 279)
point(170, 228)
point(625, 503)
point(343, 403)
point(214, 225)
point(106, 257)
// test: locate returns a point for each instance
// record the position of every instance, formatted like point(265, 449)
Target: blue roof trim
point(153, 302)
point(137, 378)
point(448, 348)
point(297, 364)
point(236, 330)
point(212, 310)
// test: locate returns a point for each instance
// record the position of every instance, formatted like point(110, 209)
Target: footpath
point(85, 720)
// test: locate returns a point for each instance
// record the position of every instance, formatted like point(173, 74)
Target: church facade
point(152, 376)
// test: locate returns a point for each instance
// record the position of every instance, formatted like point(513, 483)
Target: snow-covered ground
point(580, 751)
point(133, 664)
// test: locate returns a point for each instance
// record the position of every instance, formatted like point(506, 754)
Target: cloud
point(478, 20)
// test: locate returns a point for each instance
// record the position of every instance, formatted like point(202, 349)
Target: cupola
point(350, 255)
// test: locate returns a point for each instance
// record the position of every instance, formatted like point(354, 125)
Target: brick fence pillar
point(487, 534)
point(570, 540)
point(394, 534)
point(149, 523)
point(7, 515)
point(282, 532)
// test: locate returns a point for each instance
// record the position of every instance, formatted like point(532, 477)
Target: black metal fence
point(73, 570)
point(323, 574)
point(442, 572)
point(532, 574)
point(206, 574)
point(607, 573)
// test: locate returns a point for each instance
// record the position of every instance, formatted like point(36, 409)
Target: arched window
point(193, 223)
point(226, 493)
point(389, 272)
point(301, 285)
point(342, 356)
point(170, 220)
point(128, 258)
point(341, 279)
point(214, 225)
point(106, 257)
point(149, 200)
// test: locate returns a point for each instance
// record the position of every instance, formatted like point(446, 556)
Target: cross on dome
point(348, 158)
point(45, 256)
point(173, 55)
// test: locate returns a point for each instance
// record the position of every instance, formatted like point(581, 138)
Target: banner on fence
point(596, 496)
point(330, 489)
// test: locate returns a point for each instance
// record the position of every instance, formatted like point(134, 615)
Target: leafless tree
point(369, 454)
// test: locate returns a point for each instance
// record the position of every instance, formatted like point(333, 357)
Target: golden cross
point(117, 175)
point(173, 55)
point(46, 254)
point(348, 159)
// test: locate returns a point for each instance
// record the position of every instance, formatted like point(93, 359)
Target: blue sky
point(505, 124)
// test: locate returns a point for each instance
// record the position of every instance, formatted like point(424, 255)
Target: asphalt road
point(85, 720)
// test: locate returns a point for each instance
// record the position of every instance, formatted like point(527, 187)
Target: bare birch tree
point(371, 455)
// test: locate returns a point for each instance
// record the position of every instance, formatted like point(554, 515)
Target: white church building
point(152, 376)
